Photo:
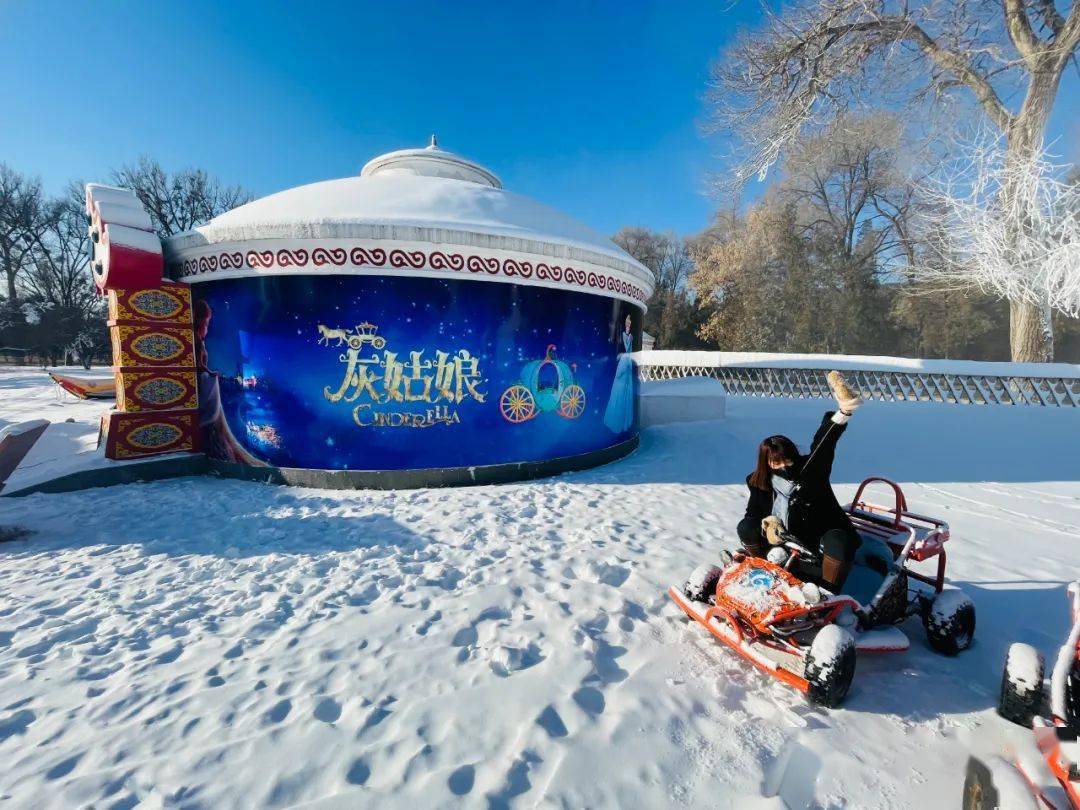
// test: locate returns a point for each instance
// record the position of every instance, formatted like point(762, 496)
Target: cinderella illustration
point(619, 414)
point(217, 438)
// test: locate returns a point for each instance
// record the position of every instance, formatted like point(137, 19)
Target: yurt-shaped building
point(414, 325)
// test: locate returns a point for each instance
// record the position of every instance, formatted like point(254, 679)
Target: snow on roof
point(412, 188)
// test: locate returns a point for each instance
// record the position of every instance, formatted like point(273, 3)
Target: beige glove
point(846, 399)
point(772, 527)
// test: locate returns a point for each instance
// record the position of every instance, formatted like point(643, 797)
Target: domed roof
point(412, 188)
point(430, 161)
point(414, 196)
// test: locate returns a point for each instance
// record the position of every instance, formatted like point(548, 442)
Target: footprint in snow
point(465, 637)
point(278, 712)
point(550, 721)
point(63, 768)
point(327, 710)
point(507, 660)
point(16, 723)
point(590, 700)
point(170, 655)
point(358, 773)
point(461, 780)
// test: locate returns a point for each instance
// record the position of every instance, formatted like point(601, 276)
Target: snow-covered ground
point(70, 441)
point(211, 643)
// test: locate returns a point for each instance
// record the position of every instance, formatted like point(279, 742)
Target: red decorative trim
point(412, 259)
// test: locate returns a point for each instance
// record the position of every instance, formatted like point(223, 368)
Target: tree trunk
point(1031, 331)
point(1031, 335)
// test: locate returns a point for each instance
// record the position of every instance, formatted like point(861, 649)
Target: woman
point(619, 413)
point(791, 491)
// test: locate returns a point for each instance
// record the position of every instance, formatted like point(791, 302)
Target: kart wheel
point(830, 666)
point(892, 606)
point(378, 342)
point(355, 342)
point(995, 785)
point(950, 622)
point(1072, 696)
point(701, 584)
point(1021, 685)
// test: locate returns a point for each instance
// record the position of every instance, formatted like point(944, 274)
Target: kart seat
point(872, 562)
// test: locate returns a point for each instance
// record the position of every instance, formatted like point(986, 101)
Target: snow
point(852, 362)
point(114, 216)
point(19, 428)
point(216, 643)
point(335, 208)
point(829, 648)
point(1063, 660)
point(69, 443)
point(1024, 667)
point(683, 387)
point(947, 604)
point(134, 238)
point(761, 591)
point(98, 192)
point(689, 399)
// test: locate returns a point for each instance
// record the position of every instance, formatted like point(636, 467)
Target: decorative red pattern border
point(414, 259)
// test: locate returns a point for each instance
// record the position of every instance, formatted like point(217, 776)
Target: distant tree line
point(49, 310)
point(822, 263)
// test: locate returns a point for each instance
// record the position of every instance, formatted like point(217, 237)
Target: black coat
point(813, 508)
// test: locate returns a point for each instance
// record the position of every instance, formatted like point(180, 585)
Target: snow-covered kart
point(1052, 777)
point(806, 636)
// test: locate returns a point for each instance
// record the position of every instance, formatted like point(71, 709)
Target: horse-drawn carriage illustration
point(545, 385)
point(355, 338)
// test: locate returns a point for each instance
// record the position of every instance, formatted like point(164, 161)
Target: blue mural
point(390, 373)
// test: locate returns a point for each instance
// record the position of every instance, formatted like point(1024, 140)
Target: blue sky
point(590, 107)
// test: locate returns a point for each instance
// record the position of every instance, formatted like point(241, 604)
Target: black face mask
point(787, 473)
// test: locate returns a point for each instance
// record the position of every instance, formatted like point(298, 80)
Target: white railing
point(802, 376)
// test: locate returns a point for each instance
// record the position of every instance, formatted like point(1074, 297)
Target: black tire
point(950, 622)
point(892, 608)
point(1072, 696)
point(701, 584)
point(1021, 697)
point(830, 666)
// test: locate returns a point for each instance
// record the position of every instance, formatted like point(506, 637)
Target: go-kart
point(807, 637)
point(1050, 778)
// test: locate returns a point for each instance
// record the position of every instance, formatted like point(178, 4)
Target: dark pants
point(840, 544)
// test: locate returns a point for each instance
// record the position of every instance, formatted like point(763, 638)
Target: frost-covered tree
point(1010, 228)
point(816, 58)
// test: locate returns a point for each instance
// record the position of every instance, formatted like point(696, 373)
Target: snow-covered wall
point(853, 362)
point(962, 382)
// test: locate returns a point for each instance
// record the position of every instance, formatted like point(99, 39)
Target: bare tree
point(672, 317)
point(178, 202)
point(665, 254)
point(851, 189)
point(819, 57)
point(22, 219)
point(58, 292)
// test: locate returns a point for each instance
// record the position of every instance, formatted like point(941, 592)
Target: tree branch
point(1050, 15)
point(1019, 27)
point(960, 67)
